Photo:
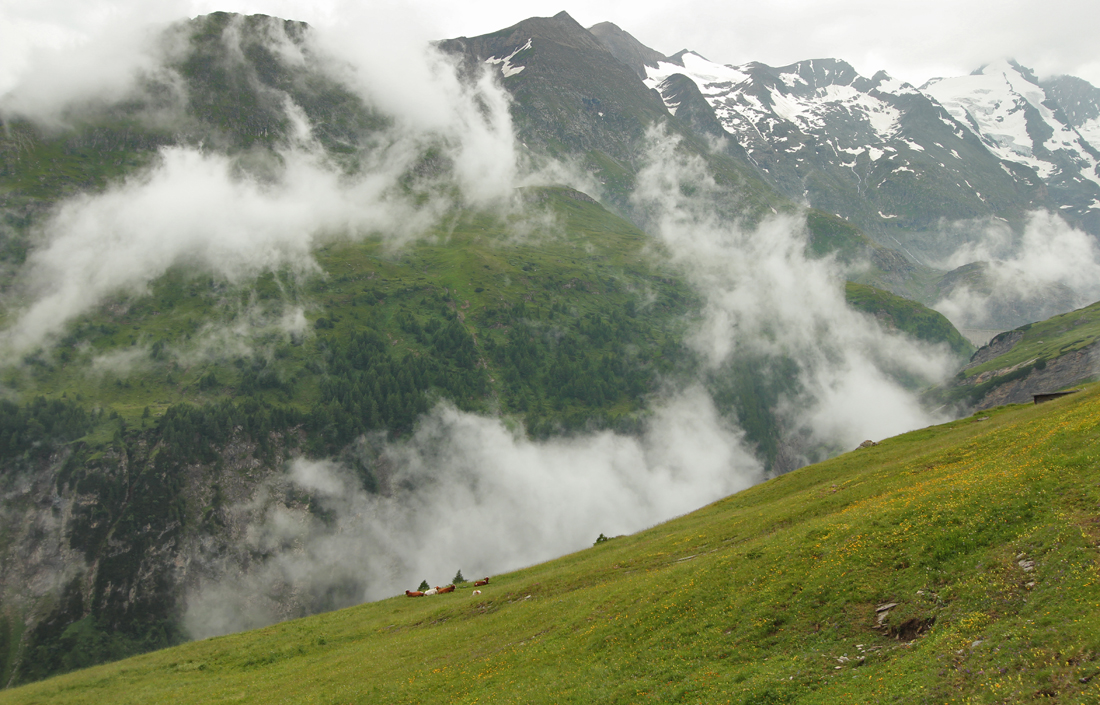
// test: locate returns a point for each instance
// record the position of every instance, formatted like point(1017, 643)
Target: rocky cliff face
point(1000, 345)
point(1036, 358)
point(1056, 374)
point(101, 547)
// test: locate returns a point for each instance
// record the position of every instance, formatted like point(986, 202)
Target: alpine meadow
point(722, 382)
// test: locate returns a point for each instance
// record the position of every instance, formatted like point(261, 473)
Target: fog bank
point(764, 296)
point(238, 215)
point(1016, 278)
point(466, 493)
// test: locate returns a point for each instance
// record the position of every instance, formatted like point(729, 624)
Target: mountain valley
point(275, 341)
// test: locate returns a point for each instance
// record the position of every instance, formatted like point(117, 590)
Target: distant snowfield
point(708, 75)
point(999, 112)
point(999, 101)
point(1091, 131)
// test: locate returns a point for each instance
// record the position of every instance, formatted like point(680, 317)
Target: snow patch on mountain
point(818, 127)
point(889, 84)
point(790, 98)
point(505, 63)
point(883, 117)
point(792, 79)
point(1090, 131)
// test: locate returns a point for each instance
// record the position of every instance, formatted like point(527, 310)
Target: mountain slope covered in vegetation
point(959, 561)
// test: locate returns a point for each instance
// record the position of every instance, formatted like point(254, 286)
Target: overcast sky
point(912, 40)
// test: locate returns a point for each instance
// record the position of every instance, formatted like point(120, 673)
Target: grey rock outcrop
point(1061, 372)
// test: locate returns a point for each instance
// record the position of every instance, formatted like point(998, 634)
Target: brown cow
point(483, 581)
point(413, 593)
point(441, 590)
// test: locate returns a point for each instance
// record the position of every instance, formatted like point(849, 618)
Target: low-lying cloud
point(764, 296)
point(195, 210)
point(467, 493)
point(420, 87)
point(238, 216)
point(1048, 268)
point(56, 55)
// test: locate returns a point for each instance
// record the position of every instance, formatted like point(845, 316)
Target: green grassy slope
point(952, 564)
point(902, 314)
point(1048, 340)
point(582, 297)
point(582, 282)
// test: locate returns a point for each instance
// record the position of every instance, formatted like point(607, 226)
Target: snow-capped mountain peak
point(1005, 105)
point(894, 159)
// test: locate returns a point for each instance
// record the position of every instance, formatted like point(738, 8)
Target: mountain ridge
point(732, 91)
point(574, 97)
point(624, 47)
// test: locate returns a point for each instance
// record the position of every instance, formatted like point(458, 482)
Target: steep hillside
point(903, 314)
point(958, 562)
point(474, 285)
point(236, 89)
point(206, 381)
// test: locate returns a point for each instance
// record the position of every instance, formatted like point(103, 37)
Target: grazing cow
point(413, 593)
point(442, 590)
point(483, 581)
